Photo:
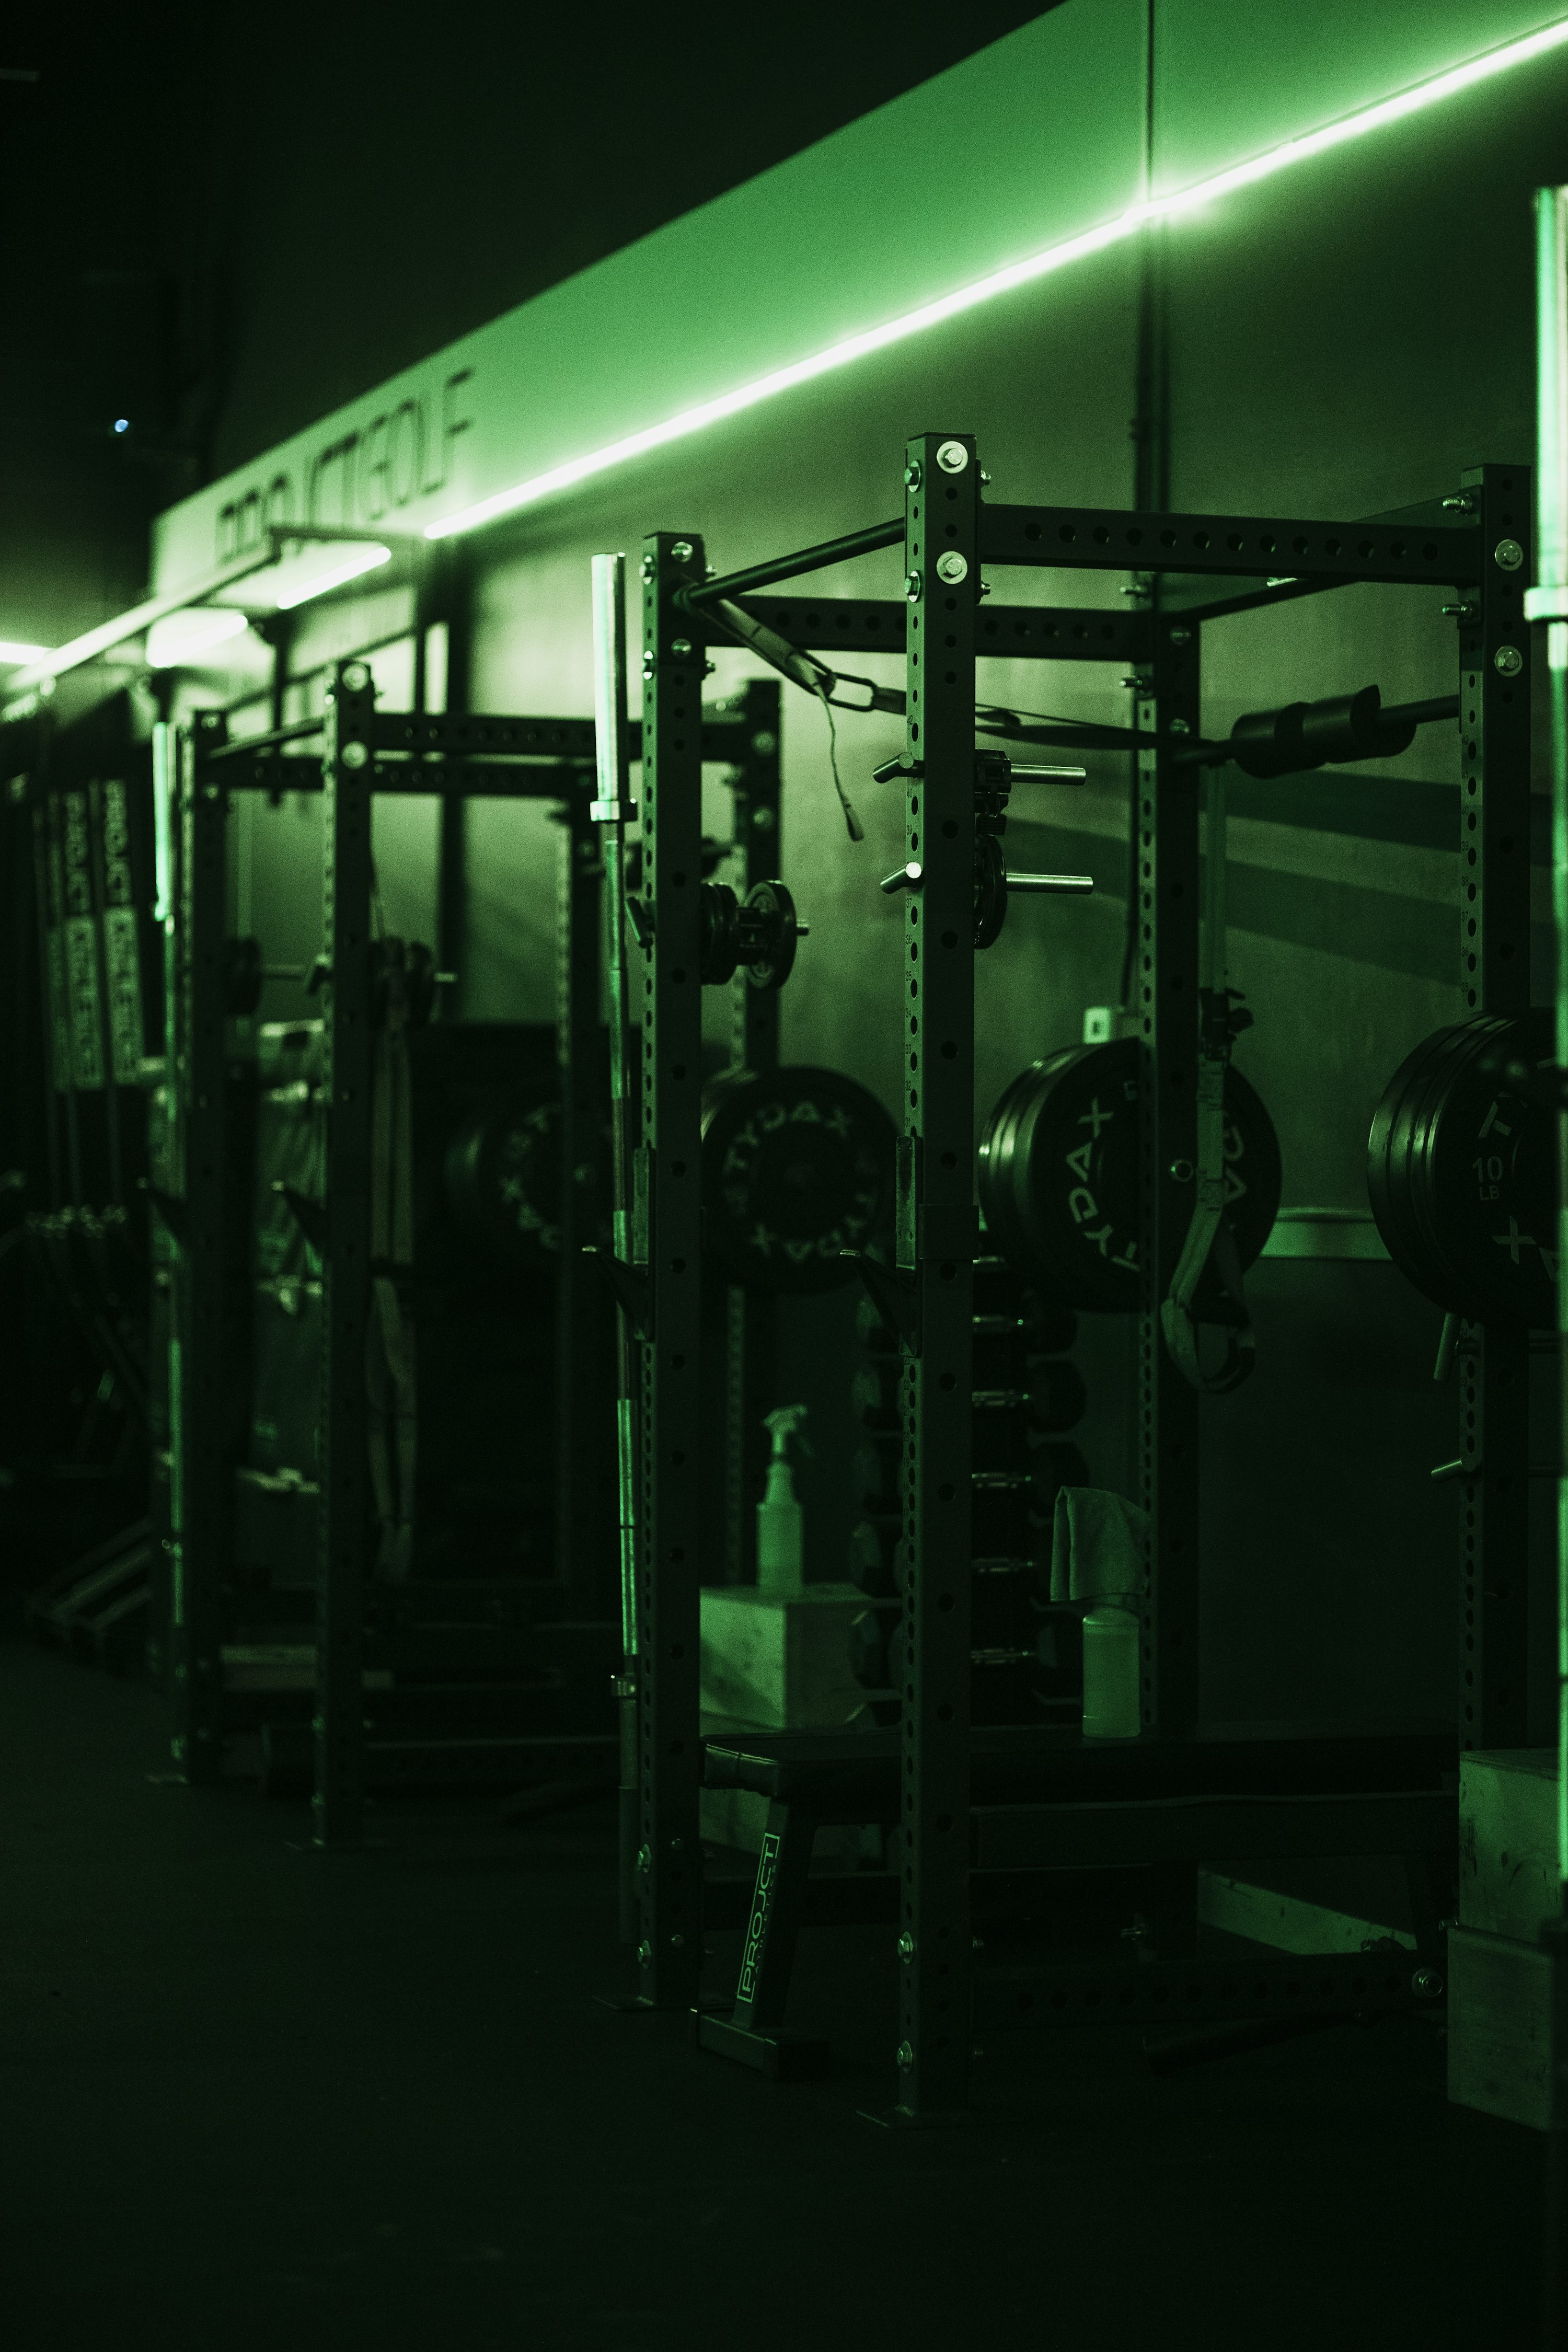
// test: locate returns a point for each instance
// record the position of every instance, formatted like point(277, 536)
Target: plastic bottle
point(781, 1530)
point(1111, 1674)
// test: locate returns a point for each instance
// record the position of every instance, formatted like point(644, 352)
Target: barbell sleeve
point(1051, 885)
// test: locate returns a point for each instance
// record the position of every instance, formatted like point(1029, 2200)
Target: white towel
point(1097, 1548)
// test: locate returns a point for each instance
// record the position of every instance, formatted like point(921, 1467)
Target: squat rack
point(1177, 1795)
point(364, 751)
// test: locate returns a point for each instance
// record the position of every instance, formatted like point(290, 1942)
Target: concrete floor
point(258, 2097)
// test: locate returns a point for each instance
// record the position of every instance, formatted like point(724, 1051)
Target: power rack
point(987, 1809)
point(364, 751)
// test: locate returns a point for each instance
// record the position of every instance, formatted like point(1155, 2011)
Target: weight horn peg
point(756, 935)
point(770, 928)
point(993, 885)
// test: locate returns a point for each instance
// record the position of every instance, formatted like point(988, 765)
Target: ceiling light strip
point(1045, 263)
point(270, 550)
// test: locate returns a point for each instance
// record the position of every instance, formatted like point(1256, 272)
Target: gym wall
point(1342, 340)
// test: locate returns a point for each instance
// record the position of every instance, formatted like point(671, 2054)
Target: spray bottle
point(781, 1539)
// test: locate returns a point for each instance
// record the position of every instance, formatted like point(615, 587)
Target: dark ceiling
point(220, 227)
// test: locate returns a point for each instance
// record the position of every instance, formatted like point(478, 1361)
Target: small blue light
point(122, 424)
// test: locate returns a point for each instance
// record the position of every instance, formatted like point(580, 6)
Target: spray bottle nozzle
point(786, 1425)
point(781, 1551)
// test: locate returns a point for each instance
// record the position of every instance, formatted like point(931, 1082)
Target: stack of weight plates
point(1461, 1170)
point(1061, 1168)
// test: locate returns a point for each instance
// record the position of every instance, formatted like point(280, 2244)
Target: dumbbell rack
point(1029, 1397)
point(364, 752)
point(79, 799)
point(1178, 1795)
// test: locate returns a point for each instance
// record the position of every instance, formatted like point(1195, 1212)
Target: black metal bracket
point(894, 1294)
point(634, 1292)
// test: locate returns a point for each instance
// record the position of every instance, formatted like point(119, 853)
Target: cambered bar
point(1103, 539)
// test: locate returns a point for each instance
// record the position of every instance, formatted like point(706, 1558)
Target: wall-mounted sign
point(387, 471)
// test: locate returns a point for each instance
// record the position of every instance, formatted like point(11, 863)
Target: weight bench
point(1045, 1802)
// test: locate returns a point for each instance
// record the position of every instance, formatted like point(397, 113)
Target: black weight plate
point(1483, 1154)
point(1419, 1081)
point(796, 1167)
point(503, 1181)
point(1059, 1174)
point(1462, 1172)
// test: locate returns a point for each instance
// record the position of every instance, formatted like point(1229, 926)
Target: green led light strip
point(1034, 266)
